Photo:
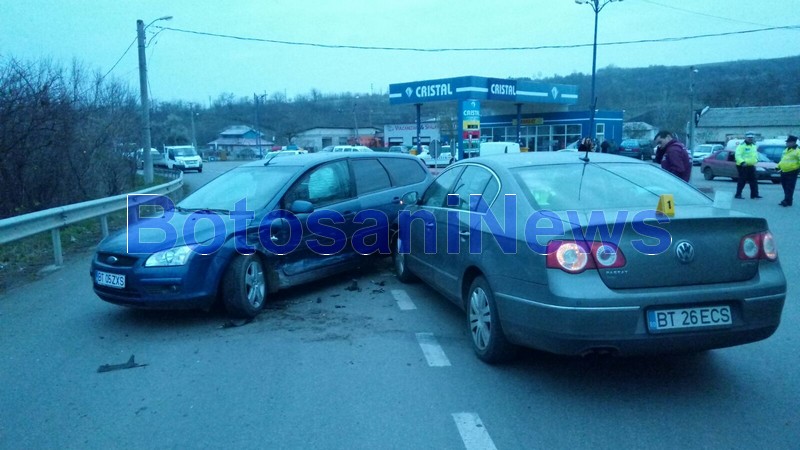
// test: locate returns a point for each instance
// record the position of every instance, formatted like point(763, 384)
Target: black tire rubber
point(708, 174)
point(398, 261)
point(483, 324)
point(244, 286)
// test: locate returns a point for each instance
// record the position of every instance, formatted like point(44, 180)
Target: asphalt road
point(386, 365)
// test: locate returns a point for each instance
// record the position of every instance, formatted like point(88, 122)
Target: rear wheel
point(708, 174)
point(488, 339)
point(244, 286)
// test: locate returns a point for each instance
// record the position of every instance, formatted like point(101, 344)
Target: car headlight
point(176, 256)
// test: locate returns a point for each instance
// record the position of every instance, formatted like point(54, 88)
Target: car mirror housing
point(410, 198)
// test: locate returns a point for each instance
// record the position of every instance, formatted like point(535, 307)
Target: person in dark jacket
point(672, 155)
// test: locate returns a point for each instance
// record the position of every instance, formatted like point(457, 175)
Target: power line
point(474, 49)
point(703, 14)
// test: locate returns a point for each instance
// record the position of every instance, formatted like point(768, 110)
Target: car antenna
point(585, 145)
point(266, 163)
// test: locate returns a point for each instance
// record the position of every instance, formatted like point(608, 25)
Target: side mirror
point(301, 207)
point(410, 198)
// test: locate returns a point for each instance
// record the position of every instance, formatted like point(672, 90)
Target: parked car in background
point(245, 234)
point(722, 163)
point(156, 157)
point(636, 148)
point(444, 157)
point(698, 281)
point(498, 148)
point(283, 153)
point(181, 157)
point(703, 151)
point(350, 148)
point(399, 149)
point(772, 148)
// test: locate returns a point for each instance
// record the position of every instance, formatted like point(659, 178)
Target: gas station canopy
point(481, 88)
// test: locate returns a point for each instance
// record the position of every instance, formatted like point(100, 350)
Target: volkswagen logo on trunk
point(685, 252)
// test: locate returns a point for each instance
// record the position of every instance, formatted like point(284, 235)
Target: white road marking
point(403, 300)
point(432, 350)
point(472, 431)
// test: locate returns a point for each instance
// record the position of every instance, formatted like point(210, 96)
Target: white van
point(498, 148)
point(182, 157)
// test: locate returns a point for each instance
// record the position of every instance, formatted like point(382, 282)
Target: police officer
point(789, 167)
point(746, 159)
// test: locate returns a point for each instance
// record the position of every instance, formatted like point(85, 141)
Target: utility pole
point(147, 158)
point(691, 108)
point(146, 144)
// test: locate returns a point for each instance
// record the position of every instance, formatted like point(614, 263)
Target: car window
point(473, 180)
point(603, 186)
point(404, 171)
point(763, 158)
point(325, 184)
point(439, 188)
point(370, 176)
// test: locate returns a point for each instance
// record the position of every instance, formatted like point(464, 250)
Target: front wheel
point(488, 339)
point(708, 174)
point(244, 286)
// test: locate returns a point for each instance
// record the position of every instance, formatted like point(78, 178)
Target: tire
point(244, 287)
point(200, 170)
point(708, 174)
point(486, 333)
point(399, 261)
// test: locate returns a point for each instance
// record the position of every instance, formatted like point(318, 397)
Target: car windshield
point(256, 184)
point(184, 152)
point(602, 186)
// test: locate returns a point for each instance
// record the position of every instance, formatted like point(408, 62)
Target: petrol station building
point(546, 125)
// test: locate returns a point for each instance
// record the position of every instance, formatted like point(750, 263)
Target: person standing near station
point(672, 155)
point(789, 167)
point(746, 160)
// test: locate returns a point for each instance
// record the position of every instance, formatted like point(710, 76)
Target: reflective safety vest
point(790, 160)
point(747, 154)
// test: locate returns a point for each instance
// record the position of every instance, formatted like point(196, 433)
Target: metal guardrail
point(54, 219)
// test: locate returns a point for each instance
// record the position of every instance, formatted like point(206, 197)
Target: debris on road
point(111, 367)
point(353, 286)
point(234, 323)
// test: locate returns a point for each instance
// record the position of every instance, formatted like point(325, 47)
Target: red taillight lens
point(577, 256)
point(758, 246)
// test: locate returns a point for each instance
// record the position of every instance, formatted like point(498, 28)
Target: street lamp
point(355, 119)
point(147, 161)
point(692, 71)
point(597, 6)
point(256, 99)
point(194, 134)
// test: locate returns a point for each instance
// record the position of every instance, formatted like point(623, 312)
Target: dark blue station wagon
point(258, 228)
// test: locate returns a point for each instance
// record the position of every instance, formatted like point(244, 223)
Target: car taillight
point(758, 246)
point(577, 256)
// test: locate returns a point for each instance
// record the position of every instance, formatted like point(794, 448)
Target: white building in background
point(406, 133)
point(315, 139)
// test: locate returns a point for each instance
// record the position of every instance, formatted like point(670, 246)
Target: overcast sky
point(187, 62)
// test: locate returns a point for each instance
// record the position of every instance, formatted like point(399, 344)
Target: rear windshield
point(603, 186)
